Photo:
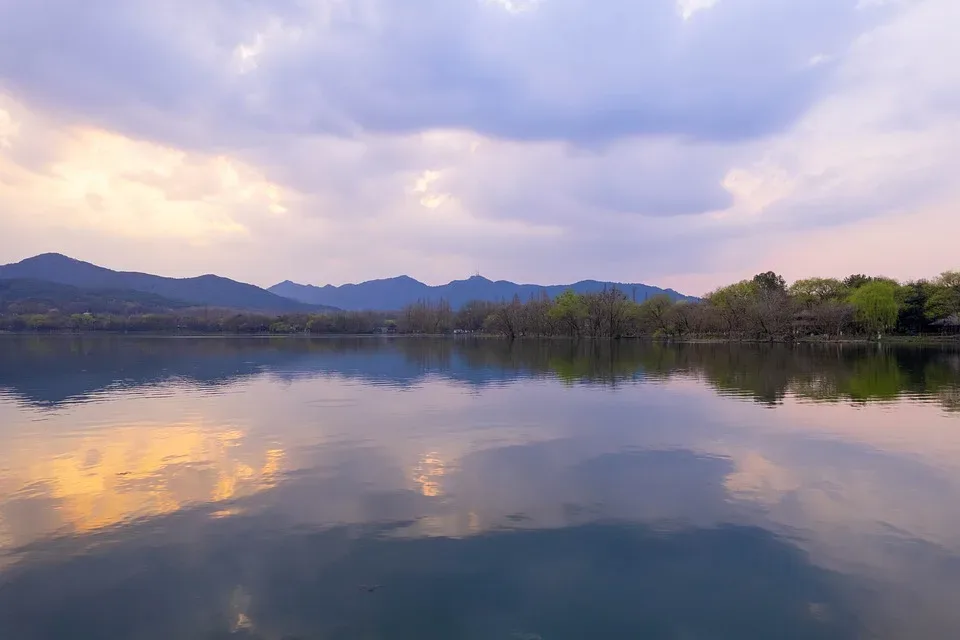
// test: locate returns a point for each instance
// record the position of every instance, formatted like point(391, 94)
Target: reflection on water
point(377, 488)
point(91, 480)
point(69, 370)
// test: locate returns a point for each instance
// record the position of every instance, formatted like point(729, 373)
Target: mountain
point(208, 290)
point(395, 293)
point(88, 286)
point(22, 296)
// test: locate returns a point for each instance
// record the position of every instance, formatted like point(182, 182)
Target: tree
point(443, 317)
point(655, 313)
point(770, 282)
point(914, 306)
point(615, 311)
point(876, 305)
point(537, 320)
point(506, 319)
point(732, 304)
point(771, 310)
point(685, 317)
point(568, 313)
point(471, 315)
point(595, 314)
point(944, 299)
point(950, 279)
point(82, 321)
point(814, 291)
point(832, 318)
point(769, 305)
point(856, 281)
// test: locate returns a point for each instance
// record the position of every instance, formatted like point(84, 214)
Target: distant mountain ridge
point(395, 293)
point(207, 290)
point(83, 284)
point(41, 296)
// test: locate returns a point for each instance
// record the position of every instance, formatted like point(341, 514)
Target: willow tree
point(876, 305)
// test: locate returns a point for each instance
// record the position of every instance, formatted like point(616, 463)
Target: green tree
point(944, 299)
point(568, 312)
point(814, 291)
point(950, 279)
point(856, 281)
point(876, 305)
point(655, 314)
point(732, 304)
point(769, 282)
point(913, 307)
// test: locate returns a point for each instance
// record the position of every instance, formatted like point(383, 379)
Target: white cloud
point(579, 141)
point(119, 187)
point(689, 7)
point(516, 6)
point(9, 128)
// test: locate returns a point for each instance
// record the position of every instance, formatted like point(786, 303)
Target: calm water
point(373, 488)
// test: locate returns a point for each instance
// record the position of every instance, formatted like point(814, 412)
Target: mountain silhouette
point(207, 290)
point(84, 284)
point(395, 293)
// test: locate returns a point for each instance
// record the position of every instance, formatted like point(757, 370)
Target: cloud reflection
point(286, 471)
point(114, 474)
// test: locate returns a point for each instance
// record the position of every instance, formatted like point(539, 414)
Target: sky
point(680, 143)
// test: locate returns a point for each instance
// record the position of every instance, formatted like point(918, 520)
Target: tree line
point(761, 308)
point(202, 321)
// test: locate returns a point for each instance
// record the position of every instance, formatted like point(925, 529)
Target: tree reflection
point(52, 370)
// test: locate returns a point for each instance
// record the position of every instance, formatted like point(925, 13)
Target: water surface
point(405, 488)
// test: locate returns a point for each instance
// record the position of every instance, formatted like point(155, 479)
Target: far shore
point(925, 340)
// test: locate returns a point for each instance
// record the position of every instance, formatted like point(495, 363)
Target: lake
point(295, 489)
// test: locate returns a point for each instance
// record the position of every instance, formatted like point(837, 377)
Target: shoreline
point(899, 340)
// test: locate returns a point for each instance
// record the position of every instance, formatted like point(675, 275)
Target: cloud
point(677, 143)
point(126, 188)
point(688, 8)
point(556, 70)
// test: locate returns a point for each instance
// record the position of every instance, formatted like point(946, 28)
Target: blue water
point(155, 488)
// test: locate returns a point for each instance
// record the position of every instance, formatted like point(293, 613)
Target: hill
point(395, 293)
point(21, 296)
point(207, 290)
